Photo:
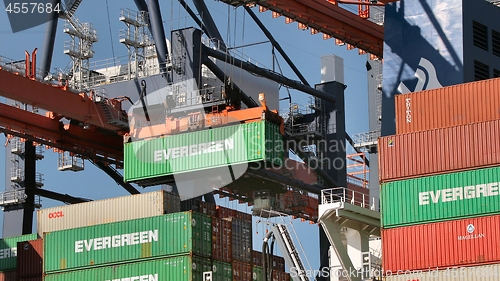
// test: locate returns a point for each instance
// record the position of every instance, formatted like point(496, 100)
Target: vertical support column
point(29, 185)
point(334, 120)
point(158, 35)
point(48, 43)
point(374, 69)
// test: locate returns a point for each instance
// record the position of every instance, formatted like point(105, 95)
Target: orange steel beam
point(68, 104)
point(53, 133)
point(333, 21)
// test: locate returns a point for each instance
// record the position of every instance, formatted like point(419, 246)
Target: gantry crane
point(99, 123)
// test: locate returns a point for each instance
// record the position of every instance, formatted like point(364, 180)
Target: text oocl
point(55, 215)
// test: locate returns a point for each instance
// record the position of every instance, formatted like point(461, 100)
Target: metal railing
point(18, 196)
point(366, 137)
point(12, 197)
point(345, 195)
point(19, 68)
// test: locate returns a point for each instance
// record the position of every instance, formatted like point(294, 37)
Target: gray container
point(106, 211)
point(242, 240)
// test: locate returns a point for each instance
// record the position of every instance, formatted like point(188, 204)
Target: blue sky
point(237, 29)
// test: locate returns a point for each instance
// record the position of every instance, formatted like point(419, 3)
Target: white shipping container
point(106, 211)
point(473, 273)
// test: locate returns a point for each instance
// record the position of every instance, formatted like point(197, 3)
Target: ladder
point(293, 253)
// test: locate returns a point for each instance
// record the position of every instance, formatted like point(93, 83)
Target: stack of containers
point(8, 256)
point(105, 240)
point(175, 246)
point(440, 184)
point(240, 246)
point(235, 229)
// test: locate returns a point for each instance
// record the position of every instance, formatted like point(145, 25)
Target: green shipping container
point(440, 198)
point(128, 241)
point(180, 268)
point(8, 250)
point(205, 149)
point(257, 273)
point(222, 271)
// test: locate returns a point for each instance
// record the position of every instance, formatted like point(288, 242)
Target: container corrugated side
point(471, 241)
point(200, 150)
point(8, 250)
point(128, 241)
point(33, 278)
point(30, 258)
point(242, 271)
point(222, 240)
point(278, 263)
point(439, 151)
point(242, 240)
point(207, 208)
point(257, 258)
point(470, 273)
point(439, 198)
point(107, 211)
point(180, 268)
point(8, 276)
point(222, 271)
point(448, 106)
point(280, 276)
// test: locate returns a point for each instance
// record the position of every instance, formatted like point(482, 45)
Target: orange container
point(439, 151)
point(30, 258)
point(448, 106)
point(464, 242)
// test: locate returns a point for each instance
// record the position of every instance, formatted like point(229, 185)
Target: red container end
point(30, 258)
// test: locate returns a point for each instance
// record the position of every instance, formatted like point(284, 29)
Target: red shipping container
point(222, 240)
point(242, 271)
point(439, 151)
point(34, 278)
point(278, 263)
point(280, 276)
point(448, 106)
point(256, 258)
point(465, 242)
point(225, 213)
point(207, 208)
point(8, 276)
point(30, 258)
